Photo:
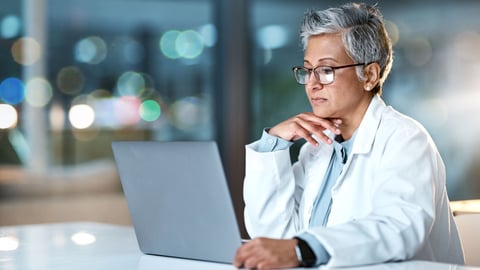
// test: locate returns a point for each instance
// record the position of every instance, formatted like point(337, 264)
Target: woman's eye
point(325, 70)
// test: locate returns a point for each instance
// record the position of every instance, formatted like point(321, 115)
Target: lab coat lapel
point(365, 136)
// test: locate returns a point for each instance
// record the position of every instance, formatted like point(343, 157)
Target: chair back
point(469, 229)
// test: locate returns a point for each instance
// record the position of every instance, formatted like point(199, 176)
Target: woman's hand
point(305, 125)
point(266, 253)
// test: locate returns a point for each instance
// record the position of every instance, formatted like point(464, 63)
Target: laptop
point(178, 199)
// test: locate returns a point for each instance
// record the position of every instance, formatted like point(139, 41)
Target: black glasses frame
point(317, 75)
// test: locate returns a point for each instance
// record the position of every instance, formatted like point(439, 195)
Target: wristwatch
point(305, 255)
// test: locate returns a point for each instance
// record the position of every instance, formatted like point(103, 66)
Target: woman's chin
point(321, 114)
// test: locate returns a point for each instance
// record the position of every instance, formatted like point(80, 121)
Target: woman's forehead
point(325, 47)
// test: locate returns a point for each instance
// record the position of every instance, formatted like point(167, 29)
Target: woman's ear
point(372, 76)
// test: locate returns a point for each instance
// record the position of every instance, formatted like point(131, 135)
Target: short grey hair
point(363, 33)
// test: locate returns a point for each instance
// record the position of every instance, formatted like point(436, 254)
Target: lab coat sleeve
point(271, 193)
point(405, 177)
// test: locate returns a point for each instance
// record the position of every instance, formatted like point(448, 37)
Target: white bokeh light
point(81, 116)
point(8, 243)
point(9, 116)
point(83, 238)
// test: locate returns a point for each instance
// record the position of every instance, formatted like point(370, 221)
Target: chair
point(469, 229)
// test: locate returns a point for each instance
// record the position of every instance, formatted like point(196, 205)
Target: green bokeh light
point(189, 44)
point(150, 110)
point(167, 44)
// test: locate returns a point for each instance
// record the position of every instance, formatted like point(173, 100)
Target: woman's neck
point(350, 124)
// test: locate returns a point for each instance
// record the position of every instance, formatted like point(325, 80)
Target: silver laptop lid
point(178, 199)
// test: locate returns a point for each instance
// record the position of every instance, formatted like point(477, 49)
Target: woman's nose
point(311, 77)
point(313, 82)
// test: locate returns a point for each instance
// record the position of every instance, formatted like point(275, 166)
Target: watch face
point(299, 253)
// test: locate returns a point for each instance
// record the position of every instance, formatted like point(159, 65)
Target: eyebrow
point(305, 61)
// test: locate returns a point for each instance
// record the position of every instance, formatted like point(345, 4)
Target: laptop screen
point(178, 199)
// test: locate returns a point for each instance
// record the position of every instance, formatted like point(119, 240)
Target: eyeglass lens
point(325, 75)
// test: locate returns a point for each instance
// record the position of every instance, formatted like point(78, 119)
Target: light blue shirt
point(323, 202)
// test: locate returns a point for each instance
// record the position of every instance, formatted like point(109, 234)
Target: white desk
point(102, 246)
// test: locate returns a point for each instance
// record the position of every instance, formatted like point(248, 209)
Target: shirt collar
point(343, 148)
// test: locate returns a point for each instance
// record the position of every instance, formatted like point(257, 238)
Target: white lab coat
point(390, 202)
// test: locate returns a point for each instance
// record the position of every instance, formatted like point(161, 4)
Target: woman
point(369, 183)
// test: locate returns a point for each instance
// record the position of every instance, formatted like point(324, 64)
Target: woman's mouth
point(318, 100)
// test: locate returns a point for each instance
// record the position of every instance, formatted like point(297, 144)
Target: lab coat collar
point(365, 133)
point(368, 127)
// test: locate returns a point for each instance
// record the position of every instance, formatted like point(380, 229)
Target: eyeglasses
point(324, 74)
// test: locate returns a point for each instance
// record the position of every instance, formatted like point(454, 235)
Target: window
point(433, 77)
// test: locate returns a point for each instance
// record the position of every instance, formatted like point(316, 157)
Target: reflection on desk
point(102, 246)
point(148, 262)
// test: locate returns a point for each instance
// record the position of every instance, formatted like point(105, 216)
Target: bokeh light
point(9, 116)
point(57, 117)
point(131, 83)
point(70, 80)
point(8, 243)
point(81, 116)
point(91, 50)
point(126, 110)
point(150, 110)
point(418, 51)
point(10, 26)
point(38, 92)
point(209, 34)
point(83, 238)
point(272, 36)
point(189, 44)
point(26, 51)
point(168, 44)
point(186, 113)
point(393, 31)
point(105, 112)
point(12, 91)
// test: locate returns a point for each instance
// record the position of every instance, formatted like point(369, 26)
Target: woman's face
point(345, 98)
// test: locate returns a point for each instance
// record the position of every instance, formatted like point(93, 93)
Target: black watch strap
point(305, 254)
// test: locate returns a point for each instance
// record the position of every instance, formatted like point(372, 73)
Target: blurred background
point(77, 75)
